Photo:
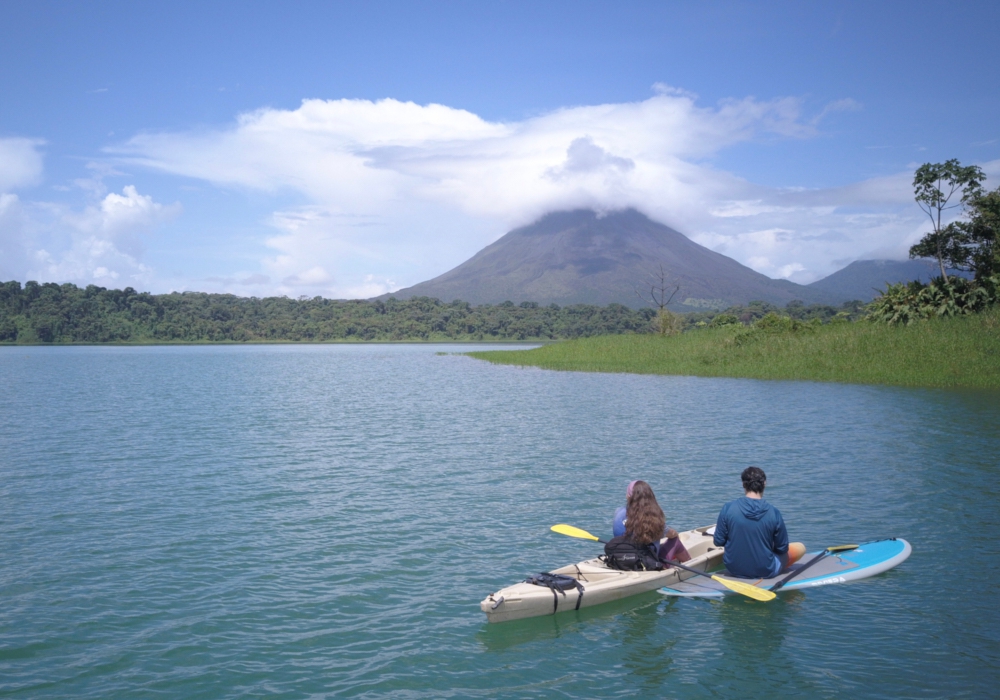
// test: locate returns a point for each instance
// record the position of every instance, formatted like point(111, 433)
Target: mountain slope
point(863, 279)
point(578, 257)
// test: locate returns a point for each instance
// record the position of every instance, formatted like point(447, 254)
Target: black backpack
point(558, 583)
point(623, 554)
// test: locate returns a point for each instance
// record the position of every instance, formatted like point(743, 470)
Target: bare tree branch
point(666, 322)
point(658, 287)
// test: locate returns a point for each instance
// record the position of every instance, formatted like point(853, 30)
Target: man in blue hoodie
point(753, 533)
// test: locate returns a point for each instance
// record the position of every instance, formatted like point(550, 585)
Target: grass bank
point(946, 352)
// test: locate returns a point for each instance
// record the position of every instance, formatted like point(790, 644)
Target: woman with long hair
point(643, 521)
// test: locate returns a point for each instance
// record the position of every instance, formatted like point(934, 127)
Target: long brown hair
point(644, 519)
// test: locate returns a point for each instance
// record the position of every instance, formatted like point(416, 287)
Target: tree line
point(65, 313)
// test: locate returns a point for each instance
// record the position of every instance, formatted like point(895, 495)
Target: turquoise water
point(322, 521)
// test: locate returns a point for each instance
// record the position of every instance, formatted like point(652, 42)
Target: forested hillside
point(54, 313)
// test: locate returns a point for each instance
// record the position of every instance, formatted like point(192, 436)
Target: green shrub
point(774, 324)
point(667, 322)
point(907, 303)
point(725, 319)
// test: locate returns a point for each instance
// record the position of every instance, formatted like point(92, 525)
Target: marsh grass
point(945, 352)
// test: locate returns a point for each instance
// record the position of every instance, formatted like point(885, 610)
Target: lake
point(303, 521)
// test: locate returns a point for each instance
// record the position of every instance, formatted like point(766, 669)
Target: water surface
point(323, 520)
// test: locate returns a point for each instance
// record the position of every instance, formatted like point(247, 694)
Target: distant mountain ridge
point(864, 279)
point(580, 257)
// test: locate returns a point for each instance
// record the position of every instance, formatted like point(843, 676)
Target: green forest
point(65, 313)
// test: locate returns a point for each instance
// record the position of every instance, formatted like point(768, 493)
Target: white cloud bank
point(400, 190)
point(392, 193)
point(100, 244)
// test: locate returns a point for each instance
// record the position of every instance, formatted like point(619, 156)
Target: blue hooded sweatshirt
point(753, 533)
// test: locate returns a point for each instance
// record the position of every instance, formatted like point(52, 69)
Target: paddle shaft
point(798, 571)
point(828, 550)
point(688, 568)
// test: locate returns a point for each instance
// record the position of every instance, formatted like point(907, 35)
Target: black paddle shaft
point(688, 568)
point(798, 571)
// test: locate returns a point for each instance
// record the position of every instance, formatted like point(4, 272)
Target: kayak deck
point(869, 559)
point(601, 584)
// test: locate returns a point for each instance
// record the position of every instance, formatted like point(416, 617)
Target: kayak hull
point(869, 559)
point(601, 583)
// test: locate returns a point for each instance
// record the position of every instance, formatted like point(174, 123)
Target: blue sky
point(347, 149)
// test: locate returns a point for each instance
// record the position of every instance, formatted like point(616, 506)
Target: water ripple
point(320, 521)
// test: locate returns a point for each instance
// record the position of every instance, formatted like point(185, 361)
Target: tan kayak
point(600, 584)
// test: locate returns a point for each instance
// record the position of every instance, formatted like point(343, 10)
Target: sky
point(350, 149)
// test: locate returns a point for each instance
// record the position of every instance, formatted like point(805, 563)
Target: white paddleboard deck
point(869, 559)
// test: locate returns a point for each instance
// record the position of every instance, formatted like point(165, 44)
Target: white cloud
point(14, 257)
point(844, 105)
point(247, 280)
point(752, 207)
point(786, 271)
point(122, 218)
point(20, 163)
point(585, 157)
point(370, 287)
point(310, 278)
point(100, 244)
point(400, 191)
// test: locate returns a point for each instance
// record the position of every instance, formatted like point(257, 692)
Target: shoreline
point(169, 343)
point(956, 352)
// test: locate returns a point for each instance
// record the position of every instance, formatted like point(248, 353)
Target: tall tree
point(982, 234)
point(934, 185)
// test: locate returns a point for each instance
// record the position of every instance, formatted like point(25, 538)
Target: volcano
point(582, 257)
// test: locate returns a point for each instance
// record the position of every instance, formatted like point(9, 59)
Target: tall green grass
point(945, 352)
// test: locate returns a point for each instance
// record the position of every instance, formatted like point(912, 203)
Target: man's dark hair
point(753, 479)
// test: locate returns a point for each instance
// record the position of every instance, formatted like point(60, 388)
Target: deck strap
point(557, 583)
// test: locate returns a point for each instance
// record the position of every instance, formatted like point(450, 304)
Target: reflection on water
point(648, 653)
point(500, 636)
point(753, 636)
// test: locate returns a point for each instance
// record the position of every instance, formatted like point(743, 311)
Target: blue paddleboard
point(869, 559)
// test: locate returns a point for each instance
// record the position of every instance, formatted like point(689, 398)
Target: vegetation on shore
point(959, 351)
point(54, 313)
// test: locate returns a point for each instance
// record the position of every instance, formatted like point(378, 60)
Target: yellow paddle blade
point(564, 529)
point(842, 548)
point(746, 589)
